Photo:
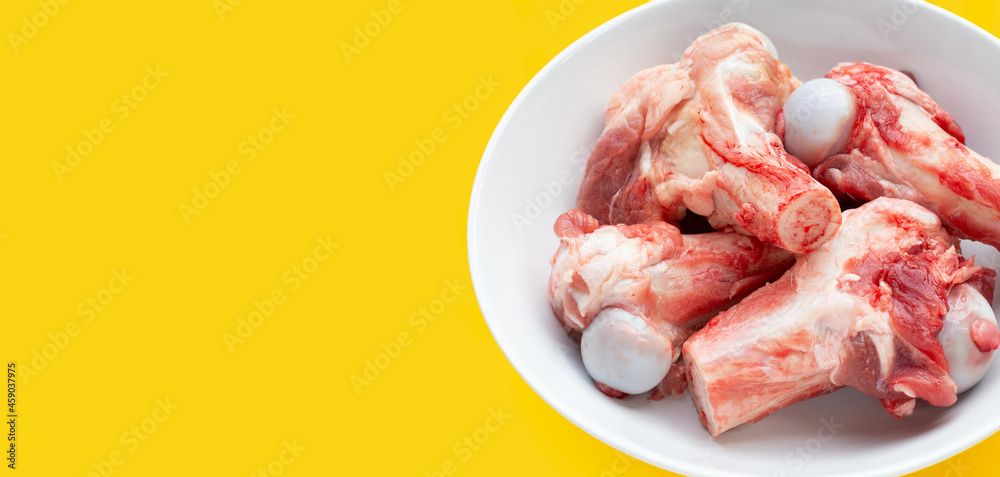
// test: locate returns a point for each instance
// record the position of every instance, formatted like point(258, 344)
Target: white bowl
point(531, 171)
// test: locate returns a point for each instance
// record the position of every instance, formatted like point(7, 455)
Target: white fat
point(818, 120)
point(966, 364)
point(768, 45)
point(625, 352)
point(849, 277)
point(746, 67)
point(645, 159)
point(674, 126)
point(601, 241)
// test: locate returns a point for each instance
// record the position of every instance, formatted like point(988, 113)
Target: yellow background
point(236, 407)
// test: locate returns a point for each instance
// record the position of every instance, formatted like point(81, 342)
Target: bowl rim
point(931, 457)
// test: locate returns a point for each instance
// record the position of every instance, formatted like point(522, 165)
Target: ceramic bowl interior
point(532, 168)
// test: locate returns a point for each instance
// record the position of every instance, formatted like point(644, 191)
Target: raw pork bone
point(699, 135)
point(861, 311)
point(636, 292)
point(903, 145)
